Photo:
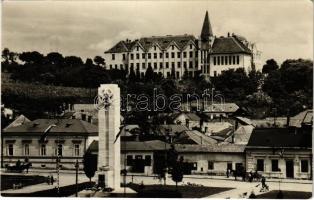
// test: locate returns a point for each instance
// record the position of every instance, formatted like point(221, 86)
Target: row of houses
point(275, 152)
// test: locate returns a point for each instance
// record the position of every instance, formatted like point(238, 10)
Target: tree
point(72, 61)
point(89, 62)
point(6, 55)
point(31, 57)
point(55, 58)
point(149, 74)
point(177, 172)
point(100, 61)
point(270, 66)
point(90, 165)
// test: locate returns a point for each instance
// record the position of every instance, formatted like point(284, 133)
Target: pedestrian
point(251, 176)
point(228, 172)
point(52, 179)
point(263, 181)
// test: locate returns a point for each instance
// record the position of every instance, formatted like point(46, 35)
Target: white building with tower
point(184, 54)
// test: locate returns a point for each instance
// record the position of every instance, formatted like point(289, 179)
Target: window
point(222, 60)
point(143, 65)
point(233, 60)
point(191, 64)
point(123, 56)
point(178, 74)
point(160, 65)
point(178, 54)
point(191, 46)
point(155, 55)
point(129, 160)
point(167, 65)
point(196, 54)
point(43, 150)
point(76, 150)
point(238, 60)
point(10, 150)
point(172, 47)
point(215, 73)
point(155, 48)
point(210, 165)
point(59, 150)
point(191, 54)
point(260, 165)
point(137, 56)
point(116, 66)
point(194, 166)
point(172, 54)
point(121, 66)
point(148, 160)
point(132, 56)
point(179, 65)
point(184, 64)
point(89, 119)
point(172, 64)
point(149, 64)
point(218, 60)
point(110, 66)
point(226, 60)
point(132, 65)
point(184, 54)
point(137, 65)
point(149, 56)
point(274, 166)
point(229, 60)
point(26, 149)
point(143, 55)
point(155, 65)
point(160, 55)
point(113, 57)
point(137, 48)
point(304, 166)
point(214, 60)
point(168, 74)
point(167, 55)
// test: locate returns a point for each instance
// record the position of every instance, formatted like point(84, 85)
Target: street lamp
point(76, 176)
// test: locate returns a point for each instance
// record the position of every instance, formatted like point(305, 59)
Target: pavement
point(240, 187)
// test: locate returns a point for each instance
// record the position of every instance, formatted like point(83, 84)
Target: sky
point(281, 29)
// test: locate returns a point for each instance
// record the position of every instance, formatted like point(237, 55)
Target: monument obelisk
point(108, 130)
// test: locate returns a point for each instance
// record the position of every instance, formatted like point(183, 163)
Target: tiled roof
point(243, 134)
point(244, 120)
point(181, 41)
point(62, 126)
point(20, 120)
point(172, 128)
point(224, 45)
point(280, 137)
point(152, 145)
point(200, 138)
point(157, 145)
point(189, 115)
point(214, 148)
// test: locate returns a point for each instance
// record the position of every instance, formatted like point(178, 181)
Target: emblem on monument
point(104, 99)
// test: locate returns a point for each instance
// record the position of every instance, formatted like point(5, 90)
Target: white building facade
point(181, 55)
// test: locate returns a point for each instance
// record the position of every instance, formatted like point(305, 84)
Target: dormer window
point(155, 48)
point(172, 47)
point(191, 46)
point(137, 48)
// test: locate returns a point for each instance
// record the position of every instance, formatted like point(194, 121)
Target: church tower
point(206, 41)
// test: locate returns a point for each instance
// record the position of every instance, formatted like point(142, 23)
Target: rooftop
point(62, 126)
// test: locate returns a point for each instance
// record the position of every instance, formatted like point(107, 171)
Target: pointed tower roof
point(206, 29)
